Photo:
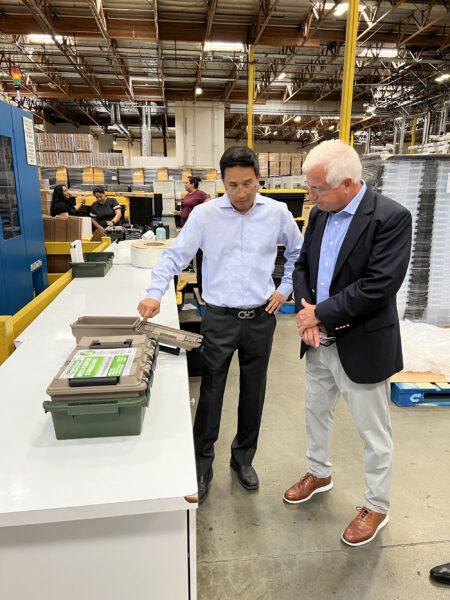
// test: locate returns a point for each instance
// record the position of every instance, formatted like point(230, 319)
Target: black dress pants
point(252, 338)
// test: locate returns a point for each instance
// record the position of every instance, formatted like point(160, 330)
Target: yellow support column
point(251, 95)
point(349, 70)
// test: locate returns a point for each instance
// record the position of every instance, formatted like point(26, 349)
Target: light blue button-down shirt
point(239, 252)
point(334, 234)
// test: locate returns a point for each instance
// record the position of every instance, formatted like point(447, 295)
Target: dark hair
point(239, 156)
point(57, 196)
point(194, 181)
point(98, 189)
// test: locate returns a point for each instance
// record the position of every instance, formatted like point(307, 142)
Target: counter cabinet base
point(137, 557)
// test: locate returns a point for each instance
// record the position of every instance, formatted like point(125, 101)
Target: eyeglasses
point(317, 190)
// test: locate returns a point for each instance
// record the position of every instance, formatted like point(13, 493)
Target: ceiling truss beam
point(42, 12)
point(265, 12)
point(212, 6)
point(96, 7)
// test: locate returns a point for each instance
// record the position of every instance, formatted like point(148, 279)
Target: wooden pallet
point(413, 394)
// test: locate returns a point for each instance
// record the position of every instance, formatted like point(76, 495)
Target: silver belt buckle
point(246, 314)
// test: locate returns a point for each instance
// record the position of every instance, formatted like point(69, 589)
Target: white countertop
point(45, 480)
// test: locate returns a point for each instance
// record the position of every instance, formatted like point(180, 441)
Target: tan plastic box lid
point(132, 365)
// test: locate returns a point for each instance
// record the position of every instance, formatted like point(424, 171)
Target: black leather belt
point(240, 313)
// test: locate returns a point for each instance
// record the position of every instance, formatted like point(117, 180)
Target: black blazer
point(361, 310)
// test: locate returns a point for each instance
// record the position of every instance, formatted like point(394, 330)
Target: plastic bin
point(103, 388)
point(96, 264)
point(126, 326)
point(104, 326)
point(73, 420)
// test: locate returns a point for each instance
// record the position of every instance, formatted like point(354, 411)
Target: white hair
point(339, 160)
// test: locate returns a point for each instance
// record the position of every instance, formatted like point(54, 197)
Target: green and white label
point(100, 363)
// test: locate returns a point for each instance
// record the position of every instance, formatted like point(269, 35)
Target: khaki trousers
point(369, 406)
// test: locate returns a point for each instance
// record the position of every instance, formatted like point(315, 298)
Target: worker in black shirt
point(62, 204)
point(105, 211)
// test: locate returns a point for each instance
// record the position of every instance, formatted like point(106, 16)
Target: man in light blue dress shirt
point(238, 234)
point(351, 266)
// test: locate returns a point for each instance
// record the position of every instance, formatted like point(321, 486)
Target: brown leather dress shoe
point(305, 489)
point(364, 527)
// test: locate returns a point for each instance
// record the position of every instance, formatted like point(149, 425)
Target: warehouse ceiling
point(97, 62)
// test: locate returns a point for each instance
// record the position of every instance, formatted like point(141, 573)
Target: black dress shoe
point(441, 573)
point(203, 481)
point(246, 474)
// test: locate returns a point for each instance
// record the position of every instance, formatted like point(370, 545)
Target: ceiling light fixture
point(443, 77)
point(382, 53)
point(198, 91)
point(223, 46)
point(41, 38)
point(297, 119)
point(281, 76)
point(340, 9)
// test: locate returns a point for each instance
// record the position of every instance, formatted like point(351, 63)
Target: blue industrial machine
point(23, 266)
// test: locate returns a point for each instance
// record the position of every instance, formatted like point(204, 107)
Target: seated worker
point(105, 211)
point(62, 204)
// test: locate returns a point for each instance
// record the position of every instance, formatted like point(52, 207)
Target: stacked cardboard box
point(88, 175)
point(97, 176)
point(163, 174)
point(307, 208)
point(125, 176)
point(110, 176)
point(100, 159)
point(48, 159)
point(60, 229)
point(68, 159)
point(84, 159)
point(263, 159)
point(116, 159)
point(61, 175)
point(150, 175)
point(274, 164)
point(199, 173)
point(138, 175)
point(285, 164)
point(75, 176)
point(296, 164)
point(83, 142)
point(65, 142)
point(46, 200)
point(46, 142)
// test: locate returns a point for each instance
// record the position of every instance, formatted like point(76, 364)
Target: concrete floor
point(253, 546)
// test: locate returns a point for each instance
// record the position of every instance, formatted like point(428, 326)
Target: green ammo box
point(103, 388)
point(96, 264)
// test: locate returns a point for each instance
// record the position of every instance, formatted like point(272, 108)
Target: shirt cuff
point(154, 294)
point(285, 289)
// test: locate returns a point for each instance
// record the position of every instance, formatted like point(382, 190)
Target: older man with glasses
point(351, 266)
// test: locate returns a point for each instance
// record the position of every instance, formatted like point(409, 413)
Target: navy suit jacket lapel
point(360, 221)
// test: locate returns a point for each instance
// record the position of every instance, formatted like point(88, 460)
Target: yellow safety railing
point(12, 326)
